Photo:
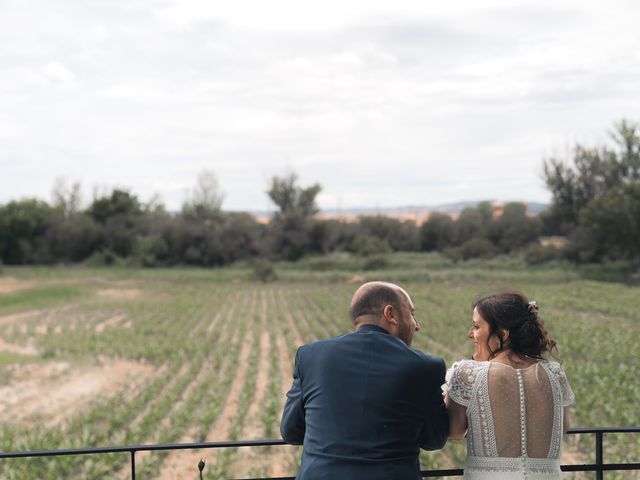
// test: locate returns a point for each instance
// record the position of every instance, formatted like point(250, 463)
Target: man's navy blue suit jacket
point(363, 404)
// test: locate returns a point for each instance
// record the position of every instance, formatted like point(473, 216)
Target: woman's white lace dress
point(515, 418)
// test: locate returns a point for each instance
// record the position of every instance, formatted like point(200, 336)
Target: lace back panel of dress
point(522, 407)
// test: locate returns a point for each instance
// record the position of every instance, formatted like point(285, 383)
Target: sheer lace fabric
point(515, 418)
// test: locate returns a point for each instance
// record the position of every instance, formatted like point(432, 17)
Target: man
point(364, 403)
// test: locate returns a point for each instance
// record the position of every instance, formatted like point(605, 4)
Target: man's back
point(363, 405)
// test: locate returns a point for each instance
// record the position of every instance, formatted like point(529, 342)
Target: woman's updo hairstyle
point(512, 311)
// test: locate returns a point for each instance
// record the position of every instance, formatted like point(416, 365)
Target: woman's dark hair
point(512, 311)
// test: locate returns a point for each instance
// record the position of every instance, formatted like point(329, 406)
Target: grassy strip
point(41, 297)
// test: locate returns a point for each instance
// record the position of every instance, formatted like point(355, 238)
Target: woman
point(509, 401)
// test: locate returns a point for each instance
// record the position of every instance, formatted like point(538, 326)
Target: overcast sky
point(384, 103)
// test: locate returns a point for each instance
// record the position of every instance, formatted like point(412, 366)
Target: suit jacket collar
point(370, 327)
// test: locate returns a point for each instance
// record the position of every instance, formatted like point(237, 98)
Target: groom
point(364, 403)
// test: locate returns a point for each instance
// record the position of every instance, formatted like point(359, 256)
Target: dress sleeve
point(568, 398)
point(460, 379)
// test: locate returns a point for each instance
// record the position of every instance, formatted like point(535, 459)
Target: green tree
point(467, 226)
point(119, 203)
point(613, 220)
point(398, 234)
point(120, 215)
point(290, 228)
point(591, 172)
point(514, 229)
point(205, 200)
point(594, 198)
point(67, 199)
point(289, 197)
point(22, 225)
point(437, 232)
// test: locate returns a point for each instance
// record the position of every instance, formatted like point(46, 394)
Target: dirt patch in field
point(16, 317)
point(19, 349)
point(48, 394)
point(126, 283)
point(120, 293)
point(110, 322)
point(10, 284)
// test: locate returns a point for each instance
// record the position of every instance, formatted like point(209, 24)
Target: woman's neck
point(509, 358)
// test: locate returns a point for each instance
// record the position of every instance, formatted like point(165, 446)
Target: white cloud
point(381, 102)
point(56, 72)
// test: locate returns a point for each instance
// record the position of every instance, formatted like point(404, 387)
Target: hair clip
point(533, 306)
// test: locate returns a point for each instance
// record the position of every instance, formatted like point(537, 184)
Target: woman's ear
point(505, 335)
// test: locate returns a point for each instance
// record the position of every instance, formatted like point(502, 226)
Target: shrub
point(365, 245)
point(263, 270)
point(104, 258)
point(375, 262)
point(538, 254)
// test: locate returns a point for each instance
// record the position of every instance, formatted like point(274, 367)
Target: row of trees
point(118, 227)
point(596, 205)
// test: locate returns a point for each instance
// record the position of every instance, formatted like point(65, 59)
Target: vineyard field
point(101, 357)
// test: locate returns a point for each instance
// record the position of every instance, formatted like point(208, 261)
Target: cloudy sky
point(385, 103)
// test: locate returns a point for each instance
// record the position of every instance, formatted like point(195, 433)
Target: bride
point(509, 401)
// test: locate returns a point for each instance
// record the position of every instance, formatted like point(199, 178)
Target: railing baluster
point(599, 462)
point(133, 465)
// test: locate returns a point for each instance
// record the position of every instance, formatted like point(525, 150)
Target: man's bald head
point(371, 298)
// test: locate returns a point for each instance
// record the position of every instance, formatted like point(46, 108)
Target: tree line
point(595, 206)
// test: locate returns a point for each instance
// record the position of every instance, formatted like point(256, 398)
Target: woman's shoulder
point(469, 364)
point(553, 367)
point(466, 369)
point(555, 370)
point(461, 380)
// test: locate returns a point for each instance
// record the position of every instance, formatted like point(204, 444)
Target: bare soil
point(10, 285)
point(48, 393)
point(28, 349)
point(18, 317)
point(120, 293)
point(109, 323)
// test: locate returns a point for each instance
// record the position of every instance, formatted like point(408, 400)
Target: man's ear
point(389, 314)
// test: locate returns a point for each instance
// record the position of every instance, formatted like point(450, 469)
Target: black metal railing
point(599, 467)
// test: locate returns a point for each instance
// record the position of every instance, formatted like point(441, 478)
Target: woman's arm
point(457, 419)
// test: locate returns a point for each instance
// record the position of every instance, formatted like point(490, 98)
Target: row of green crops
point(190, 327)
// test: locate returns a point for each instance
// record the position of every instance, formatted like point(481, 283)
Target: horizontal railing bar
point(452, 472)
point(230, 444)
point(267, 478)
point(265, 443)
point(141, 448)
point(592, 467)
point(604, 430)
point(459, 472)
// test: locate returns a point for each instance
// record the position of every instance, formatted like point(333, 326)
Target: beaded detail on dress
point(514, 415)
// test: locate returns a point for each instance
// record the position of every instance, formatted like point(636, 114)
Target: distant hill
point(450, 208)
point(414, 212)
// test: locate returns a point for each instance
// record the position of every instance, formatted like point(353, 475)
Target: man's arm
point(292, 425)
point(436, 426)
